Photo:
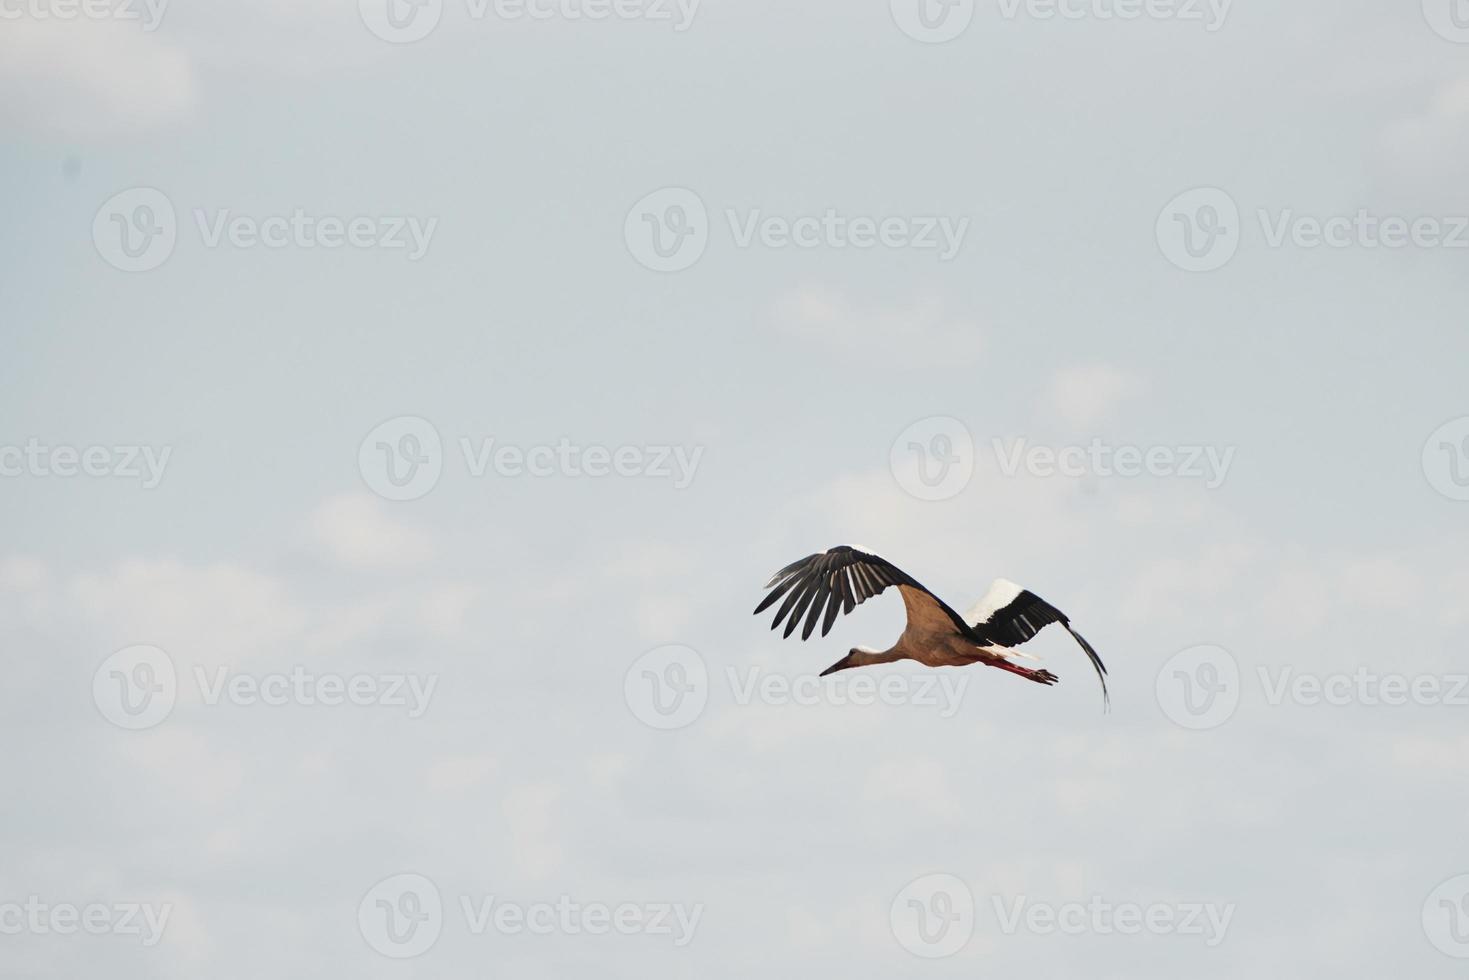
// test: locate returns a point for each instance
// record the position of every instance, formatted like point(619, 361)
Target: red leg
point(1039, 676)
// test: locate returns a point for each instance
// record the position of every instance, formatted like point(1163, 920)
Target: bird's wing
point(1008, 616)
point(820, 586)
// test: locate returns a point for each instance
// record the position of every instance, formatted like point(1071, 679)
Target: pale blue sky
point(529, 320)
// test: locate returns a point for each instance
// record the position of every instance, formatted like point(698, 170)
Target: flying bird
point(820, 586)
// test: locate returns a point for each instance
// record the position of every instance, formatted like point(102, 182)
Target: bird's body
point(820, 586)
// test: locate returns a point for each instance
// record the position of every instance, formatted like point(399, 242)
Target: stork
point(820, 586)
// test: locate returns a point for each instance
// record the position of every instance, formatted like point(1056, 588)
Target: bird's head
point(846, 663)
point(856, 657)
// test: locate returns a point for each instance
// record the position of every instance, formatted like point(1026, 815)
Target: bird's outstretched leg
point(1039, 676)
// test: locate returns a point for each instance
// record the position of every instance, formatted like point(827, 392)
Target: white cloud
point(446, 608)
point(455, 775)
point(922, 333)
point(1425, 152)
point(1174, 587)
point(905, 784)
point(1381, 583)
point(357, 532)
point(208, 614)
point(1088, 394)
point(22, 574)
point(530, 816)
point(83, 79)
point(95, 79)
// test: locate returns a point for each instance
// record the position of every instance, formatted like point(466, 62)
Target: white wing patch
point(1000, 595)
point(1010, 653)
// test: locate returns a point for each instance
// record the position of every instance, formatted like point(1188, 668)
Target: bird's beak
point(841, 664)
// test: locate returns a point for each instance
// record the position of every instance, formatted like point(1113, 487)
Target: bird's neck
point(870, 658)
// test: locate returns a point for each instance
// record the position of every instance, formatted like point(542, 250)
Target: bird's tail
point(1097, 664)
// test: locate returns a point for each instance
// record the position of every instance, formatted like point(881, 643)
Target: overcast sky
point(402, 406)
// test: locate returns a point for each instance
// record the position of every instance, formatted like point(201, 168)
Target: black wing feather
point(823, 585)
point(807, 595)
point(1025, 616)
point(844, 579)
point(790, 602)
point(834, 604)
point(779, 591)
